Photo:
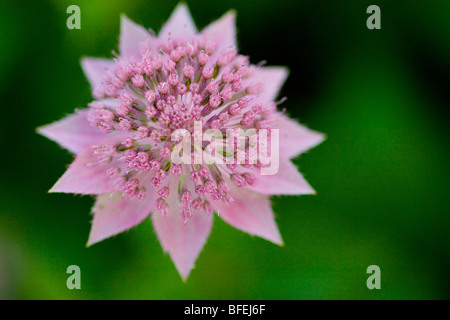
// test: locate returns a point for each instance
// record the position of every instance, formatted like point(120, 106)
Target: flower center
point(169, 88)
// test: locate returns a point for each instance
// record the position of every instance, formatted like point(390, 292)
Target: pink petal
point(271, 79)
point(250, 212)
point(131, 36)
point(180, 24)
point(73, 132)
point(222, 32)
point(96, 70)
point(85, 178)
point(114, 214)
point(183, 241)
point(295, 138)
point(288, 181)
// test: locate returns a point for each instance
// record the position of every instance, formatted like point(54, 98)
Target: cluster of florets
point(168, 88)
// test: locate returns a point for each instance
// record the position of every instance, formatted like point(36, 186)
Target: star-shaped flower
point(169, 86)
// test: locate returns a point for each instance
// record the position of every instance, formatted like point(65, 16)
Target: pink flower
point(156, 86)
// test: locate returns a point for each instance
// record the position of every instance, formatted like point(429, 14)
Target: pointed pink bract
point(223, 32)
point(180, 24)
point(131, 36)
point(96, 70)
point(271, 80)
point(295, 138)
point(287, 181)
point(85, 175)
point(114, 214)
point(250, 212)
point(73, 132)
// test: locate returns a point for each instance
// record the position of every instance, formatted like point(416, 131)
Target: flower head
point(139, 145)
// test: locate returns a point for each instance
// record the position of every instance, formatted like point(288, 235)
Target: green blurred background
point(382, 176)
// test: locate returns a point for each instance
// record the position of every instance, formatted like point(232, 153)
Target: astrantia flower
point(154, 88)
